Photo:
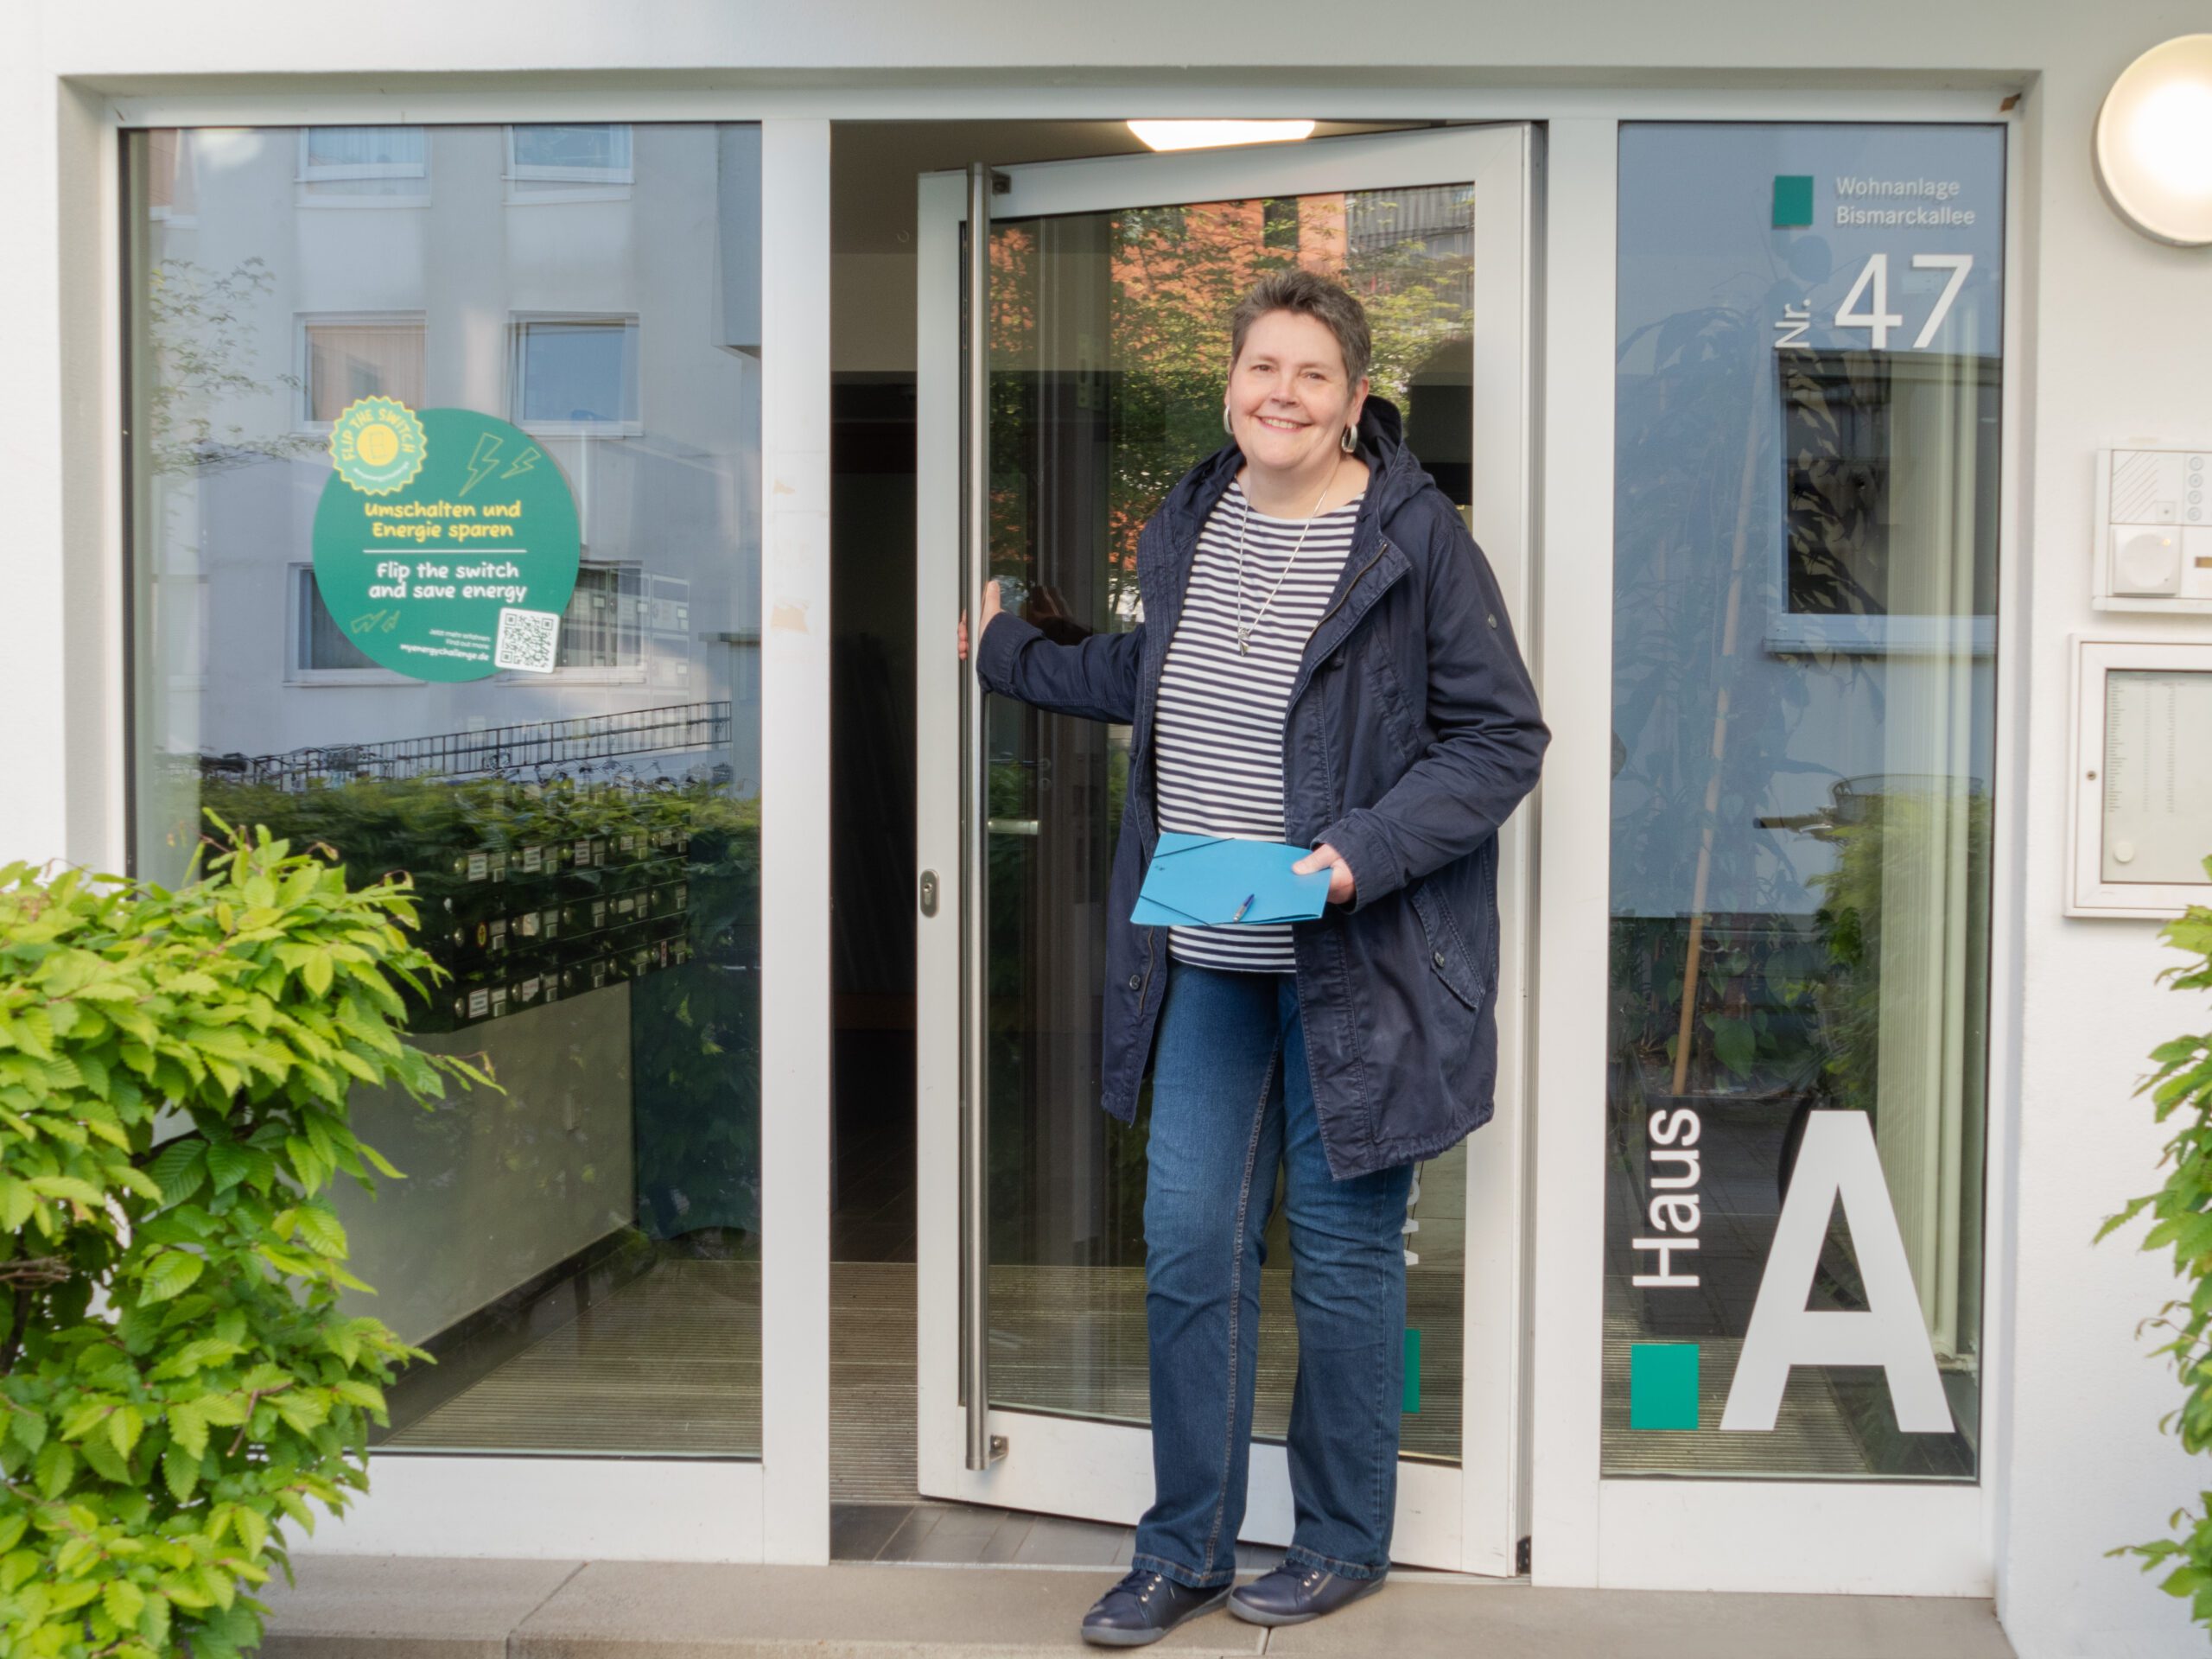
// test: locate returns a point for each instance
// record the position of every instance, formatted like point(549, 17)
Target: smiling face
point(1290, 399)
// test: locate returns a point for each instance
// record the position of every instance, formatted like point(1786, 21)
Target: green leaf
point(180, 1471)
point(54, 1469)
point(174, 1272)
point(228, 1163)
point(26, 1428)
point(378, 1161)
point(66, 1186)
point(252, 1530)
point(1735, 1043)
point(188, 1427)
point(179, 1167)
point(123, 1428)
point(321, 1229)
point(124, 1600)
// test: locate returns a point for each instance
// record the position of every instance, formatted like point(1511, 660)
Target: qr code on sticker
point(528, 640)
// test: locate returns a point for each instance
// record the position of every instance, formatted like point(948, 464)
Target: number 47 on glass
point(1874, 286)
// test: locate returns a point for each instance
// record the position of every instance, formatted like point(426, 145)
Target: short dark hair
point(1311, 296)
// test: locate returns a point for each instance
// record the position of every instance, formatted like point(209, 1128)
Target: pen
point(1246, 905)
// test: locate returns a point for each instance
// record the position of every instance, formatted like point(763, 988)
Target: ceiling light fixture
point(1212, 135)
point(2154, 143)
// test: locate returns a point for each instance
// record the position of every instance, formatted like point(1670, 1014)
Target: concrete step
point(353, 1607)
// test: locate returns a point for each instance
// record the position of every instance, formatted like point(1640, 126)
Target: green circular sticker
point(452, 562)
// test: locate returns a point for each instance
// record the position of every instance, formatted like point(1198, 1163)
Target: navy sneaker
point(1293, 1594)
point(1145, 1606)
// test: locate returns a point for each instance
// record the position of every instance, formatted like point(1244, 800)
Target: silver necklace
point(1243, 628)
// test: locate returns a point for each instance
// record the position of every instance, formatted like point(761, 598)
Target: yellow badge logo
point(378, 445)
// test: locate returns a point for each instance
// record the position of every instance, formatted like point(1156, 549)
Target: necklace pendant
point(1243, 643)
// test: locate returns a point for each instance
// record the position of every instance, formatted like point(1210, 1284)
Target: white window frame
point(518, 325)
point(307, 174)
point(586, 183)
point(304, 354)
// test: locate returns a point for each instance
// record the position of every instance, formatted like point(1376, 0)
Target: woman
point(1324, 660)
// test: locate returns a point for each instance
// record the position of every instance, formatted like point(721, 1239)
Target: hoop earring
point(1350, 441)
point(1225, 426)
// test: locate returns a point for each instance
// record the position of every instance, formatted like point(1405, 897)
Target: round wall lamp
point(2154, 143)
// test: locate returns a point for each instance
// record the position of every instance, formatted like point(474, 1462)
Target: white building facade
point(1779, 377)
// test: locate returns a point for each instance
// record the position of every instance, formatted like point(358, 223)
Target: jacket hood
point(1395, 476)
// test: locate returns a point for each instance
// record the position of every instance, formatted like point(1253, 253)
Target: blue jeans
point(1230, 1100)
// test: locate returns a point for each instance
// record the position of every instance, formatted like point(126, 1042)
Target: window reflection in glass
point(579, 1249)
point(1109, 347)
point(594, 154)
point(341, 162)
point(1805, 556)
point(581, 370)
point(365, 357)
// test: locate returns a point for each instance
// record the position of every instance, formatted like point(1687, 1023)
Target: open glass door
point(1109, 284)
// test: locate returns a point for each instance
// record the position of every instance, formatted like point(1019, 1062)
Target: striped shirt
point(1217, 756)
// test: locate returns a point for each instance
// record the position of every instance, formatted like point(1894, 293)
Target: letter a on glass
point(1837, 1163)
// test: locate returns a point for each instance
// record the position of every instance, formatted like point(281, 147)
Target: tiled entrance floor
point(352, 1608)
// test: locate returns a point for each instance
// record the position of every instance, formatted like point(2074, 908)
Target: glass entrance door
point(1105, 326)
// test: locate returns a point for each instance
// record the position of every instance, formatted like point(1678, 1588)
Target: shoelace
point(1142, 1581)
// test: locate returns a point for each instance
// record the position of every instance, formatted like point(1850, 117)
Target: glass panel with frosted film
point(579, 1249)
point(1110, 350)
point(1804, 622)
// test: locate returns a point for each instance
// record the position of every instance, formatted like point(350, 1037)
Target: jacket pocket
point(1449, 958)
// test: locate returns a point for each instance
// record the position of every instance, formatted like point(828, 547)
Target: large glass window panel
point(579, 1249)
point(1109, 351)
point(1805, 576)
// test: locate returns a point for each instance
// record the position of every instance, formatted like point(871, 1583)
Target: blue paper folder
point(1199, 880)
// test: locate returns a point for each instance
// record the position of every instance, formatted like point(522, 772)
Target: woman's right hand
point(990, 609)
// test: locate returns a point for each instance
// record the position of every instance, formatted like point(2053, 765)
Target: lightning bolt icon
point(481, 463)
point(523, 462)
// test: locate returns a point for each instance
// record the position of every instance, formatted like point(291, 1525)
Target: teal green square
point(1662, 1385)
point(1411, 1400)
point(1793, 198)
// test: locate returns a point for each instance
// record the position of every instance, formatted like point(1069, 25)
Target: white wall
point(2116, 343)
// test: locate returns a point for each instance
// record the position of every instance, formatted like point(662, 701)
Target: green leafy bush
point(174, 1377)
point(2182, 1221)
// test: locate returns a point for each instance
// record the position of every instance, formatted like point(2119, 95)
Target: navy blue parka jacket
point(1412, 734)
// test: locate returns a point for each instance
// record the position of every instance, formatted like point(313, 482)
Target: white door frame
point(1688, 1535)
point(1469, 1517)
